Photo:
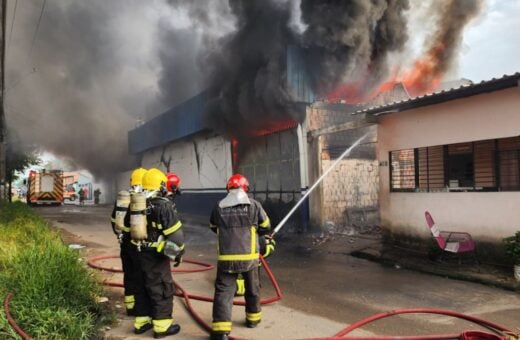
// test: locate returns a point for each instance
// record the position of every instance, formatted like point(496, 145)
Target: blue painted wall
point(180, 121)
point(188, 118)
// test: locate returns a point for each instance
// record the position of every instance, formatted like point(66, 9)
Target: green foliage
point(19, 155)
point(512, 245)
point(54, 292)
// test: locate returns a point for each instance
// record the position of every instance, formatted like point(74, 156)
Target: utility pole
point(3, 141)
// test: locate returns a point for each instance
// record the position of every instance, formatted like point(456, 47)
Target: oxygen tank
point(138, 217)
point(122, 202)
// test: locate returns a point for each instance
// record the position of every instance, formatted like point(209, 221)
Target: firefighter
point(238, 221)
point(128, 250)
point(173, 185)
point(162, 241)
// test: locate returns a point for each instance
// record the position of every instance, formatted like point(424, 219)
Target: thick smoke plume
point(84, 75)
point(75, 79)
point(243, 68)
point(247, 87)
point(348, 41)
point(443, 44)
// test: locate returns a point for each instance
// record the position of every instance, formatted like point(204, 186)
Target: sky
point(492, 43)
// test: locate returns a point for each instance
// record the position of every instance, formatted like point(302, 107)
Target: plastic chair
point(451, 241)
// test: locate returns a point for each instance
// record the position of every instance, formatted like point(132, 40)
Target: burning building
point(280, 158)
point(278, 102)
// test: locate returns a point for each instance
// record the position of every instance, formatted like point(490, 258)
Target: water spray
point(343, 155)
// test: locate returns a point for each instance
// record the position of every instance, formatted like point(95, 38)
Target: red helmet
point(237, 181)
point(173, 182)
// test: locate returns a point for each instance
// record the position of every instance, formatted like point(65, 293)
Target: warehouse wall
point(272, 165)
point(203, 163)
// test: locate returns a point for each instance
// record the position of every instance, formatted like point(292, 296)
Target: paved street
point(323, 291)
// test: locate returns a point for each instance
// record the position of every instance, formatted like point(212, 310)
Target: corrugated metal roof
point(467, 90)
point(180, 121)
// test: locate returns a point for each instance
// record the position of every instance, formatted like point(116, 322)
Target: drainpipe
point(304, 172)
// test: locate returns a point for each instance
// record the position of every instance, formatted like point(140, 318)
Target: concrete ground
point(324, 288)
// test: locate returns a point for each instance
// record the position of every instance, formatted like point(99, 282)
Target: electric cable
point(37, 28)
point(12, 24)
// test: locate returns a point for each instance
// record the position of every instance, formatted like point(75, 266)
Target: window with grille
point(488, 165)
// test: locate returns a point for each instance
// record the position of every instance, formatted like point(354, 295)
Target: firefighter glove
point(177, 261)
point(270, 245)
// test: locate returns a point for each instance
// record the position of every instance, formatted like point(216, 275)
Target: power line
point(37, 27)
point(12, 23)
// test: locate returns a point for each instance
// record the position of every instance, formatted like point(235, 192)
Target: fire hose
point(500, 332)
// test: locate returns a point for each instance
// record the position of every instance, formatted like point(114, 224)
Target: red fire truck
point(45, 187)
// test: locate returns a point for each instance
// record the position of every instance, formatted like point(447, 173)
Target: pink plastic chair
point(450, 241)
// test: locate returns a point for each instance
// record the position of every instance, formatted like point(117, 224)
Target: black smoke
point(349, 40)
point(247, 85)
point(73, 92)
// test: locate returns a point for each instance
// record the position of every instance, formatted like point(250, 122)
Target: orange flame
point(424, 77)
point(426, 74)
point(272, 127)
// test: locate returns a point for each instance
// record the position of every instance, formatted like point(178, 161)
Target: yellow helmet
point(153, 179)
point(137, 177)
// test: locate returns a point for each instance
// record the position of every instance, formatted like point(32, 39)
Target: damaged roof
point(462, 91)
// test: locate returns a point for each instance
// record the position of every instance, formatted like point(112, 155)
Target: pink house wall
point(487, 215)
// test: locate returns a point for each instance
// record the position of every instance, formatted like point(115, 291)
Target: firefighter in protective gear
point(128, 250)
point(165, 239)
point(173, 186)
point(238, 222)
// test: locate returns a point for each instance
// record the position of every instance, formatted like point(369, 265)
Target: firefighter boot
point(253, 319)
point(142, 324)
point(252, 324)
point(219, 336)
point(171, 330)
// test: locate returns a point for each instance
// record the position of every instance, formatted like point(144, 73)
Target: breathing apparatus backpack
point(138, 220)
point(122, 203)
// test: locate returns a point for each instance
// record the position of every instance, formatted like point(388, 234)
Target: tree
point(19, 156)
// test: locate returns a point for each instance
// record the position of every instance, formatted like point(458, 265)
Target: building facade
point(456, 154)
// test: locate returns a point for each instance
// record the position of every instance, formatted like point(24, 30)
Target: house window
point(460, 166)
point(508, 159)
point(403, 170)
point(488, 165)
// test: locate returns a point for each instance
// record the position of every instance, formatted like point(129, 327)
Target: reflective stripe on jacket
point(238, 228)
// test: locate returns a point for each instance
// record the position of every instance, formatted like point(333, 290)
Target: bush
point(512, 244)
point(54, 293)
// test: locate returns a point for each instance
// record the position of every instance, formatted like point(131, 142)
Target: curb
point(515, 287)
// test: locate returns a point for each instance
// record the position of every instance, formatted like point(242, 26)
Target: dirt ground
point(324, 288)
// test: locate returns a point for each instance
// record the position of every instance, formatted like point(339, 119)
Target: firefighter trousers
point(130, 270)
point(154, 289)
point(225, 286)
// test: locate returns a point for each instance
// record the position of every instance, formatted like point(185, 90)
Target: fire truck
point(45, 187)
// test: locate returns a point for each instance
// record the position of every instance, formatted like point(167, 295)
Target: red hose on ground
point(416, 311)
point(182, 293)
point(467, 335)
point(93, 263)
point(11, 321)
point(500, 331)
